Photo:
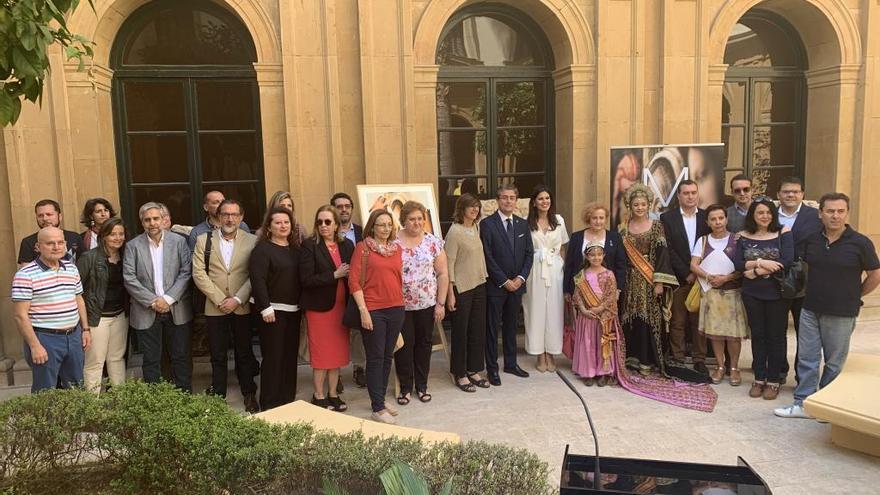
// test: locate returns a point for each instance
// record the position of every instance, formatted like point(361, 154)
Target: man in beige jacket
point(220, 271)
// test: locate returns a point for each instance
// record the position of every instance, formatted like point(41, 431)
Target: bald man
point(52, 319)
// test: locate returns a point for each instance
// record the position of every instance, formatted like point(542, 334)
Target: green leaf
point(21, 64)
point(400, 479)
point(16, 109)
point(7, 111)
point(331, 488)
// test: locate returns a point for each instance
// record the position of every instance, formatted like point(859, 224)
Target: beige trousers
point(109, 340)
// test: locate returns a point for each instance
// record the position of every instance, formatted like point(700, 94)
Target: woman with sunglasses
point(763, 249)
point(324, 265)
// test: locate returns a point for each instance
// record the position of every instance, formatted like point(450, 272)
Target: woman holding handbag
point(722, 315)
point(376, 285)
point(323, 267)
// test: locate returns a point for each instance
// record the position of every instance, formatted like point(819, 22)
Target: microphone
point(597, 475)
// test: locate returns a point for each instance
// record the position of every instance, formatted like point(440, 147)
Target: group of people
point(618, 302)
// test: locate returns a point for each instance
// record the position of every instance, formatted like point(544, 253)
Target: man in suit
point(220, 271)
point(803, 221)
point(741, 188)
point(156, 271)
point(355, 233)
point(683, 226)
point(507, 244)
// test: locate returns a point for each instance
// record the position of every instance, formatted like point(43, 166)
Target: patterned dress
point(644, 317)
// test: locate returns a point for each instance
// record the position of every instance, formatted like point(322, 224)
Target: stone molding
point(833, 76)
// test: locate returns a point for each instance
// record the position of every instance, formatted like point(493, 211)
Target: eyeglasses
point(230, 215)
point(383, 225)
point(790, 191)
point(762, 199)
point(344, 207)
point(326, 221)
point(742, 190)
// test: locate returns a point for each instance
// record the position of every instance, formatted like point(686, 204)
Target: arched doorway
point(763, 117)
point(186, 110)
point(494, 105)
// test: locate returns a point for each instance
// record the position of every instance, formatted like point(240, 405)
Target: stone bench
point(852, 405)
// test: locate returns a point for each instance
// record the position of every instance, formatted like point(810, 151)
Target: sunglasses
point(742, 190)
point(762, 199)
point(327, 222)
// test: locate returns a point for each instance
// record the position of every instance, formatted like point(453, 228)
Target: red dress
point(328, 337)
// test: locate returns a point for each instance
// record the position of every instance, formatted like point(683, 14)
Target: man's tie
point(509, 227)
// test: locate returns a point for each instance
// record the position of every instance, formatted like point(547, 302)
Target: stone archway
point(833, 49)
point(568, 32)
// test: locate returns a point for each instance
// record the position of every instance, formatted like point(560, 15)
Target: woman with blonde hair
point(283, 199)
point(595, 216)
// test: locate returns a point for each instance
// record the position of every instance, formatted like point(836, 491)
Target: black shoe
point(250, 403)
point(360, 377)
point(211, 391)
point(701, 368)
point(494, 379)
point(516, 370)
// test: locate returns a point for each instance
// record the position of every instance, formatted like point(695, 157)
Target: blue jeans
point(821, 334)
point(65, 364)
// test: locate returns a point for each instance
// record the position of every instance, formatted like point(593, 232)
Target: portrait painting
point(391, 197)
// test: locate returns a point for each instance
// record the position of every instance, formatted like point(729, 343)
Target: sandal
point(403, 398)
point(424, 396)
point(735, 377)
point(589, 381)
point(338, 404)
point(322, 403)
point(465, 387)
point(482, 382)
point(717, 375)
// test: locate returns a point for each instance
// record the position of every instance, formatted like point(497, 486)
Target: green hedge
point(141, 438)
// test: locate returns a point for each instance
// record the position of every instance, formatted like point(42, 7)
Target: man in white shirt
point(683, 227)
point(222, 275)
point(156, 270)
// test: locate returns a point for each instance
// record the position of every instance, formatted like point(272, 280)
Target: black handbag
point(352, 316)
point(793, 280)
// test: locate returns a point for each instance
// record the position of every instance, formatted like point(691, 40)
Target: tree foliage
point(27, 29)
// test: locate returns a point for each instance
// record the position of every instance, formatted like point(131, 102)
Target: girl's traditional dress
point(600, 349)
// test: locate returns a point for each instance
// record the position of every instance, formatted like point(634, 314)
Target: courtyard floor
point(540, 414)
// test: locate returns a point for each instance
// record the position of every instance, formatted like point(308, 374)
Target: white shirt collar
point(505, 218)
point(784, 214)
point(161, 239)
point(684, 214)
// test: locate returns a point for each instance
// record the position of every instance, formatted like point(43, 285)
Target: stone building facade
point(327, 94)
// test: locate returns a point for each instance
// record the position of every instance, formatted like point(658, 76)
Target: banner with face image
point(662, 168)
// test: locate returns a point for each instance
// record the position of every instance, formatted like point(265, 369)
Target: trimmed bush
point(141, 438)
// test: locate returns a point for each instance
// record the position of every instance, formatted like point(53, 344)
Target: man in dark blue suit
point(803, 221)
point(507, 244)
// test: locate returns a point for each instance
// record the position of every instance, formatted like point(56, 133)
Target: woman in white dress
point(543, 303)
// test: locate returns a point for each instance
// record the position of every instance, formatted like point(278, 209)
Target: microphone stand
point(597, 477)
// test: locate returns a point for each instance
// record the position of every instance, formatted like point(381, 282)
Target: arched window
point(494, 105)
point(763, 106)
point(186, 110)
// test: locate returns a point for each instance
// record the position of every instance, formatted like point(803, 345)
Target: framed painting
point(391, 197)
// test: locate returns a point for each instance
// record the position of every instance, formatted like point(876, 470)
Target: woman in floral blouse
point(425, 282)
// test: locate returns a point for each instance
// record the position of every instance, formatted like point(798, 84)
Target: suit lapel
point(148, 259)
point(503, 231)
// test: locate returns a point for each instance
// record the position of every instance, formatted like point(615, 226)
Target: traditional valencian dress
point(644, 317)
point(600, 348)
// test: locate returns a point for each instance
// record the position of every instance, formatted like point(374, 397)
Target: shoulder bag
point(352, 316)
point(692, 302)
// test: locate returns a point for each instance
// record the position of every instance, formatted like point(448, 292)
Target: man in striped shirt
point(49, 308)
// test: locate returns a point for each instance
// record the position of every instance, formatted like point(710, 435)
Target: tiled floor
point(540, 414)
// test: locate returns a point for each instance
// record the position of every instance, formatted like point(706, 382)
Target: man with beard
point(156, 269)
point(48, 213)
point(225, 281)
point(212, 221)
point(353, 232)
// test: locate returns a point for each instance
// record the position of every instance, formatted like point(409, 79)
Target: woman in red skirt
point(323, 271)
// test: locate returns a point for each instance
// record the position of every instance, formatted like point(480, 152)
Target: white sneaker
point(792, 411)
point(384, 416)
point(391, 410)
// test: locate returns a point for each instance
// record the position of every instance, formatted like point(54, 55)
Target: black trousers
point(413, 361)
point(379, 350)
point(796, 306)
point(768, 321)
point(503, 312)
point(177, 338)
point(279, 344)
point(469, 332)
point(222, 329)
